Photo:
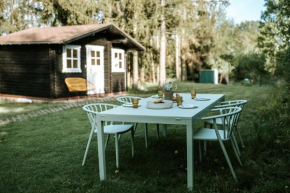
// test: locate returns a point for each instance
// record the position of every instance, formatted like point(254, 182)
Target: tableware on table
point(155, 96)
point(201, 99)
point(135, 102)
point(193, 94)
point(164, 104)
point(179, 100)
point(160, 94)
point(187, 106)
point(129, 105)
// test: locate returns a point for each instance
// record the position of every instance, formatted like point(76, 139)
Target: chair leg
point(107, 141)
point(132, 142)
point(242, 142)
point(236, 145)
point(228, 160)
point(146, 135)
point(88, 146)
point(204, 147)
point(236, 152)
point(135, 127)
point(157, 125)
point(199, 147)
point(117, 150)
point(119, 137)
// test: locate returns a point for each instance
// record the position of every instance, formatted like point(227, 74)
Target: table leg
point(164, 132)
point(101, 149)
point(146, 135)
point(189, 139)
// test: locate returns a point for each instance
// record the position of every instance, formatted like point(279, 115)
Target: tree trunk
point(157, 73)
point(142, 74)
point(152, 62)
point(183, 64)
point(135, 69)
point(129, 70)
point(135, 55)
point(162, 70)
point(153, 68)
point(177, 57)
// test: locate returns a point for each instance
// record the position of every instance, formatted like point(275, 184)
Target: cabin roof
point(67, 34)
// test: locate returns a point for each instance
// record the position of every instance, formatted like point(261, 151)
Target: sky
point(242, 10)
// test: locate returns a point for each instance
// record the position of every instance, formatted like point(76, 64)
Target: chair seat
point(218, 121)
point(113, 129)
point(208, 135)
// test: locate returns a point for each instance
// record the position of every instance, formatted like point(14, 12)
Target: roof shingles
point(58, 35)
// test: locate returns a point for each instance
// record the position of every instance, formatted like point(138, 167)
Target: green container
point(206, 76)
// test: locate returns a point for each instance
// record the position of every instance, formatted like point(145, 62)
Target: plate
point(201, 99)
point(129, 105)
point(187, 106)
point(155, 96)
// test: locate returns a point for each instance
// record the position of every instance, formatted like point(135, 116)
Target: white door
point(95, 69)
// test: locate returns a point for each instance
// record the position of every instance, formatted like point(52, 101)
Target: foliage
point(250, 66)
point(208, 39)
point(274, 39)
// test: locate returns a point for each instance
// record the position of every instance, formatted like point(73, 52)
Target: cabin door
point(95, 69)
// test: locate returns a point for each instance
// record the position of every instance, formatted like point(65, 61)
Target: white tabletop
point(174, 115)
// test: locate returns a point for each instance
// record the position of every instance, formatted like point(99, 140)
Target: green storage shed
point(208, 76)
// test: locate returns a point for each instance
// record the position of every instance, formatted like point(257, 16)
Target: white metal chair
point(226, 115)
point(128, 100)
point(234, 103)
point(109, 128)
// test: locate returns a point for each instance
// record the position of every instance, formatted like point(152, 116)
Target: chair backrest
point(93, 109)
point(227, 115)
point(234, 103)
point(126, 99)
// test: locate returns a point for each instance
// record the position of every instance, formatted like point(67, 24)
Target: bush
point(246, 83)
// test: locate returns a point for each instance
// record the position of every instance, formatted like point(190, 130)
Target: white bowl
point(166, 104)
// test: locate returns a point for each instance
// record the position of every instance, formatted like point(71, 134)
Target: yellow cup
point(179, 100)
point(160, 94)
point(135, 102)
point(193, 94)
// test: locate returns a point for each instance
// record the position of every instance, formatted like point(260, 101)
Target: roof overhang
point(126, 39)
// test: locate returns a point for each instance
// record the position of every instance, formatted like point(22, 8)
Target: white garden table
point(174, 115)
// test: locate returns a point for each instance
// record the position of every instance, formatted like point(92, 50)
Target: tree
point(162, 70)
point(275, 36)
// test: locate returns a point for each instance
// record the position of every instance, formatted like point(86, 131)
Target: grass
point(8, 109)
point(44, 154)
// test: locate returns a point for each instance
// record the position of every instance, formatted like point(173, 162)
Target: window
point(118, 60)
point(95, 57)
point(71, 58)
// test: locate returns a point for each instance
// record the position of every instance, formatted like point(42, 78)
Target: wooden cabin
point(36, 62)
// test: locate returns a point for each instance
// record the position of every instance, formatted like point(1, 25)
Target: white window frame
point(65, 69)
point(115, 61)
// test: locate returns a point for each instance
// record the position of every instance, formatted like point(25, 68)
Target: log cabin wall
point(36, 70)
point(114, 82)
point(25, 70)
point(61, 89)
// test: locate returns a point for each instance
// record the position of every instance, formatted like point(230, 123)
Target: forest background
point(181, 36)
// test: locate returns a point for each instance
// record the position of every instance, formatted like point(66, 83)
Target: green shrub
point(246, 83)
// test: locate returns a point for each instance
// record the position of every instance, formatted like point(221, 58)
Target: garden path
point(36, 113)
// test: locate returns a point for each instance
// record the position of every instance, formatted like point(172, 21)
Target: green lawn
point(13, 109)
point(44, 154)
